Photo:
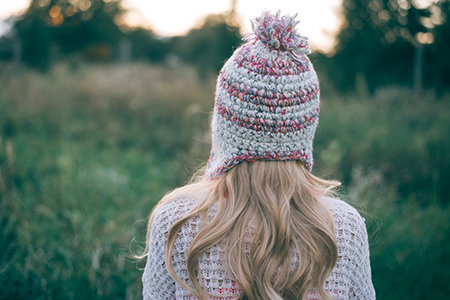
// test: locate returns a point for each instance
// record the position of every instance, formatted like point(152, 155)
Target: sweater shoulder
point(170, 212)
point(342, 210)
point(349, 225)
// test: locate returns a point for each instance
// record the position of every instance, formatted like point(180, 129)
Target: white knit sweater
point(350, 278)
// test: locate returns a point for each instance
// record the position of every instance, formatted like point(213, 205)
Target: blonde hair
point(283, 204)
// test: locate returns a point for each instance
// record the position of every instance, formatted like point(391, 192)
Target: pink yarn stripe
point(230, 162)
point(268, 98)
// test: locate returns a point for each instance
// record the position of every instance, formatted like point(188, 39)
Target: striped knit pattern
point(266, 103)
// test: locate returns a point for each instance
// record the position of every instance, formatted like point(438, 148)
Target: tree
point(208, 46)
point(145, 45)
point(67, 26)
point(378, 39)
point(437, 63)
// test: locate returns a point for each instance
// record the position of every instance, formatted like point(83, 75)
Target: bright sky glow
point(318, 18)
point(8, 8)
point(12, 7)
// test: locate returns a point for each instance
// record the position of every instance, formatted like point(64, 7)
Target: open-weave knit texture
point(266, 100)
point(350, 278)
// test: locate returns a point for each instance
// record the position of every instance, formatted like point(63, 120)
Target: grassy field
point(85, 153)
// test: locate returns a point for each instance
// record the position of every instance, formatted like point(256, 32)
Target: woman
point(257, 224)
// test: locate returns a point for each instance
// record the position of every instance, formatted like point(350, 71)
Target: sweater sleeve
point(157, 283)
point(361, 279)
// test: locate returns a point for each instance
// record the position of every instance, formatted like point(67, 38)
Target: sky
point(174, 17)
point(318, 18)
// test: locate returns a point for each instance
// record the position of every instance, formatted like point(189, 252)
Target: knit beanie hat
point(266, 99)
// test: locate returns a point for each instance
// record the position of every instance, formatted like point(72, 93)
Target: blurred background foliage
point(99, 120)
point(383, 42)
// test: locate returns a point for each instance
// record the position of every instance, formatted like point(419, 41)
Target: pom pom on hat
point(279, 33)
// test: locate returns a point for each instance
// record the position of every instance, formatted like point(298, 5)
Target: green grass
point(402, 135)
point(84, 157)
point(86, 154)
